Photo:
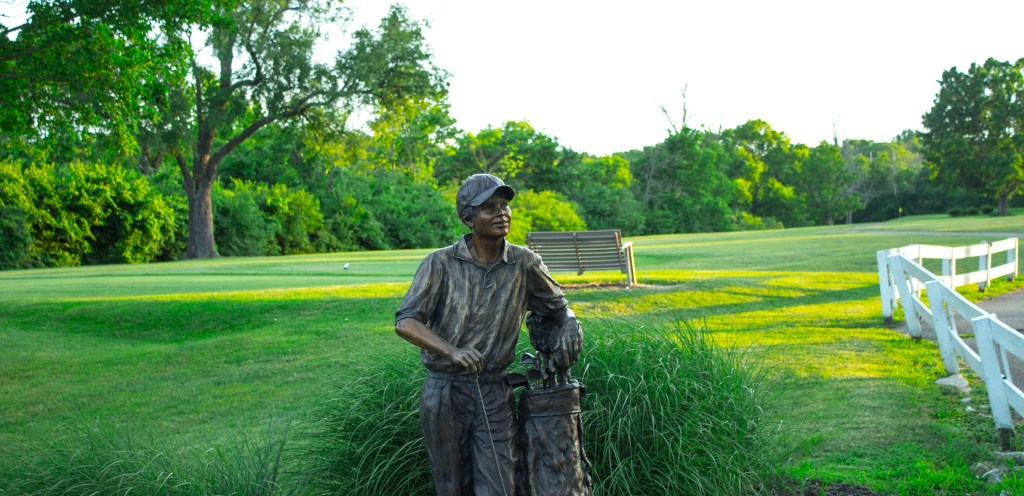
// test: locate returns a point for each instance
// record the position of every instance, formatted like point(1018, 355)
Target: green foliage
point(76, 69)
point(15, 238)
point(743, 221)
point(136, 224)
point(255, 219)
point(106, 460)
point(765, 166)
point(827, 185)
point(891, 176)
point(669, 412)
point(81, 214)
point(680, 185)
point(521, 156)
point(974, 129)
point(367, 438)
point(600, 188)
point(543, 211)
point(386, 210)
point(411, 215)
point(242, 228)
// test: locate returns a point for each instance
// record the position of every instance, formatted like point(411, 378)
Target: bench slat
point(580, 251)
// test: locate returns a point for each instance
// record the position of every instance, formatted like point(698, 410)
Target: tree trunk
point(1003, 208)
point(200, 222)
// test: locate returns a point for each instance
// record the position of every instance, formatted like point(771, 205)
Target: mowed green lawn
point(198, 353)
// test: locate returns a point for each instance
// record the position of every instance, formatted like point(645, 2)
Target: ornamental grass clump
point(669, 412)
point(104, 460)
point(367, 438)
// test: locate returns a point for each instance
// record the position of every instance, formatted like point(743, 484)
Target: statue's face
point(493, 218)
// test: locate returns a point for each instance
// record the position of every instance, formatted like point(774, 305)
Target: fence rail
point(902, 278)
point(985, 274)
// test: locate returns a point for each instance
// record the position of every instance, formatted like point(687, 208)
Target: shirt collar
point(462, 250)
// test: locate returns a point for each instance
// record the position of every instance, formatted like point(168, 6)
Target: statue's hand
point(469, 359)
point(570, 341)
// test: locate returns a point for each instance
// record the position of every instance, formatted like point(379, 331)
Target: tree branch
point(186, 175)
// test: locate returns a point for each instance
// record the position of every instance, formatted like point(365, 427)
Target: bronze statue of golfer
point(464, 310)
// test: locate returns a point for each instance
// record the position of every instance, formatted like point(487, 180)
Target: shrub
point(81, 213)
point(745, 221)
point(988, 209)
point(971, 211)
point(136, 224)
point(17, 208)
point(298, 214)
point(955, 212)
point(15, 238)
point(240, 227)
point(387, 210)
point(252, 219)
point(411, 214)
point(542, 211)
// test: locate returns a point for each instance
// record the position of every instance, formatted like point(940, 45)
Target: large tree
point(765, 167)
point(75, 69)
point(680, 185)
point(828, 184)
point(520, 155)
point(975, 129)
point(264, 71)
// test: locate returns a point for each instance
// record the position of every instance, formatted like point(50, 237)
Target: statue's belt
point(483, 378)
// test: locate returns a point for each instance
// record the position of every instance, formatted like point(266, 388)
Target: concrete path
point(1008, 307)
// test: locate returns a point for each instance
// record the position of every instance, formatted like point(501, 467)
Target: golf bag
point(551, 439)
point(550, 430)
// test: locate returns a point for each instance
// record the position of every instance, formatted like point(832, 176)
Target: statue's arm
point(417, 333)
point(553, 321)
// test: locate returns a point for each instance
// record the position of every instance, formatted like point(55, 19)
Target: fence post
point(909, 311)
point(941, 321)
point(993, 377)
point(1011, 258)
point(916, 285)
point(885, 285)
point(985, 264)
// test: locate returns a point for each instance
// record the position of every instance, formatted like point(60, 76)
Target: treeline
point(120, 144)
point(294, 189)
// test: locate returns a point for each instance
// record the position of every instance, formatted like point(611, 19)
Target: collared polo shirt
point(472, 305)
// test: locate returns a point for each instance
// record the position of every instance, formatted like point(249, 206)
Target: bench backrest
point(579, 250)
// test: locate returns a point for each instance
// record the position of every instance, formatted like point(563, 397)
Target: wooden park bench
point(581, 251)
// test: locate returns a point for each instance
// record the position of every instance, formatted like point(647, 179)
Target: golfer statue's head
point(477, 190)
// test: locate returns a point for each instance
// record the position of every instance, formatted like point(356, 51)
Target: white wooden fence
point(985, 274)
point(902, 278)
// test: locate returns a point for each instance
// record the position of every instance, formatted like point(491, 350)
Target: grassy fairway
point(195, 353)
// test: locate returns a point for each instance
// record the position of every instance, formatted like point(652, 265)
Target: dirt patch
point(817, 488)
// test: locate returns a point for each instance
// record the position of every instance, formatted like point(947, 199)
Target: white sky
point(594, 74)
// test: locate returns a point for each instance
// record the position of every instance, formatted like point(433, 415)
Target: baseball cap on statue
point(478, 188)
